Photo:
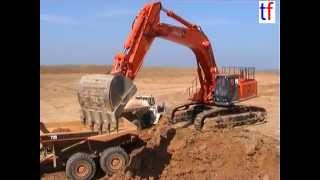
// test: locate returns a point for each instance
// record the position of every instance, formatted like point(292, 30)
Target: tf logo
point(267, 12)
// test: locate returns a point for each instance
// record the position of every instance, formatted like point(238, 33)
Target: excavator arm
point(147, 27)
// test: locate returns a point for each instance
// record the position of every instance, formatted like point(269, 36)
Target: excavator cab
point(226, 91)
point(235, 84)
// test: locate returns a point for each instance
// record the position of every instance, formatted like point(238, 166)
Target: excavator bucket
point(102, 98)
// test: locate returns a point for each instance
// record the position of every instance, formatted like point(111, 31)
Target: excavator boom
point(147, 27)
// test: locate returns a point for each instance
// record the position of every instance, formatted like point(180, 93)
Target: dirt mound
point(188, 154)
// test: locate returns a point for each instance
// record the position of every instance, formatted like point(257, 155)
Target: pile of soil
point(185, 153)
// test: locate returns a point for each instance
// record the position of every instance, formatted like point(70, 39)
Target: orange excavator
point(218, 89)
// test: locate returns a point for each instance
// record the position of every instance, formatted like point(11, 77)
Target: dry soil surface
point(250, 152)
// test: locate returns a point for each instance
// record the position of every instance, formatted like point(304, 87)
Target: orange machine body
point(247, 89)
point(146, 27)
point(248, 86)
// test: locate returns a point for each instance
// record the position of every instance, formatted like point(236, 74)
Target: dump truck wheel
point(80, 166)
point(147, 118)
point(113, 160)
point(137, 123)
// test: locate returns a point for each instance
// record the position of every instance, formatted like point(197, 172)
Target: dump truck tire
point(80, 166)
point(113, 160)
point(148, 118)
point(138, 124)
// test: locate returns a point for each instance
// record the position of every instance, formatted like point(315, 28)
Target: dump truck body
point(69, 135)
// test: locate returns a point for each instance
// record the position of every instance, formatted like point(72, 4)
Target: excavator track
point(199, 121)
point(222, 116)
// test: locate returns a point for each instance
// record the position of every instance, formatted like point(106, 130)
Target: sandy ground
point(58, 102)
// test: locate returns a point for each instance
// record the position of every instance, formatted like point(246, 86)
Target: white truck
point(143, 111)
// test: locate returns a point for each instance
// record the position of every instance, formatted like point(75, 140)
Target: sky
point(92, 32)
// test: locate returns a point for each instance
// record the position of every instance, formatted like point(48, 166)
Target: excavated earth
point(233, 153)
point(242, 152)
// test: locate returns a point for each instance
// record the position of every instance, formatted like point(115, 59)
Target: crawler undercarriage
point(223, 116)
